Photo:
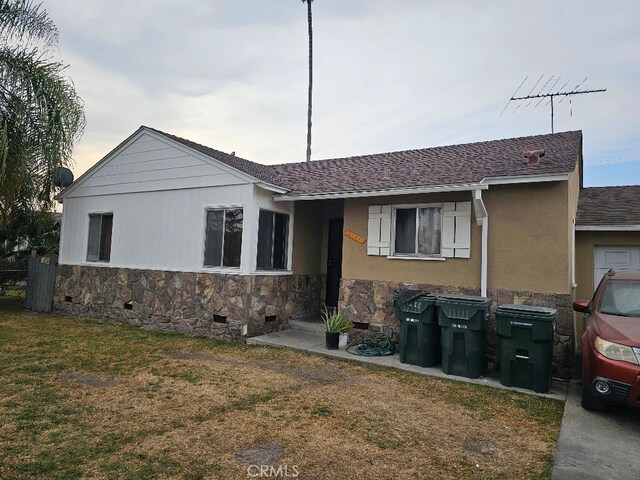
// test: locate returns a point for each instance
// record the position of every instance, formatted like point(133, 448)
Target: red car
point(611, 342)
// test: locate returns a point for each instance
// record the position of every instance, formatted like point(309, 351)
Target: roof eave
point(545, 177)
point(382, 192)
point(607, 228)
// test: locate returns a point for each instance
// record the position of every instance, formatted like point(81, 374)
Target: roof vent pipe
point(533, 156)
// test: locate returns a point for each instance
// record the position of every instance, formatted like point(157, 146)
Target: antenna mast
point(549, 94)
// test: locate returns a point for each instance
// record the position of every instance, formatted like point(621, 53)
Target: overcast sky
point(387, 75)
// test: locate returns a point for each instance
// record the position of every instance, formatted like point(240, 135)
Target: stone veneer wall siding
point(371, 302)
point(186, 301)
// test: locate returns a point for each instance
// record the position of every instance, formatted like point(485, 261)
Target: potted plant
point(345, 327)
point(333, 322)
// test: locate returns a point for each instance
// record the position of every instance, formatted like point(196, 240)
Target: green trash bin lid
point(465, 299)
point(416, 305)
point(532, 311)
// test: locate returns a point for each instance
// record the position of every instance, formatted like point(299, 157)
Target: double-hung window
point(99, 244)
point(273, 233)
point(223, 238)
point(418, 231)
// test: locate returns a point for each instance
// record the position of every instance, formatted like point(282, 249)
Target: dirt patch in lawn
point(179, 407)
point(89, 380)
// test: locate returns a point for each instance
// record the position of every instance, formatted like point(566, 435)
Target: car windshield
point(621, 297)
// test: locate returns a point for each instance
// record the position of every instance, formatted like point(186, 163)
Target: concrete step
point(313, 325)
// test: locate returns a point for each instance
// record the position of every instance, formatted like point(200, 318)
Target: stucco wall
point(307, 237)
point(586, 242)
point(529, 237)
point(357, 265)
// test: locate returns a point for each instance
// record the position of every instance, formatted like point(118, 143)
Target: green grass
point(167, 417)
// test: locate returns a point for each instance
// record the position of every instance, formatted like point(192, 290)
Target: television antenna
point(547, 90)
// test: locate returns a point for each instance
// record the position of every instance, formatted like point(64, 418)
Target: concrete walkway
point(594, 445)
point(313, 341)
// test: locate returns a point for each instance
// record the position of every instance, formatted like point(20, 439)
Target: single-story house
point(172, 235)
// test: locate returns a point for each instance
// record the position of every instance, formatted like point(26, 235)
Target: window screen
point(273, 229)
point(223, 238)
point(418, 231)
point(99, 244)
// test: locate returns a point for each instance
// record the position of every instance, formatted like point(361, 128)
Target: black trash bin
point(525, 346)
point(463, 319)
point(419, 330)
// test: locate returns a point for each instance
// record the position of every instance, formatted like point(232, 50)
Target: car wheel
point(589, 401)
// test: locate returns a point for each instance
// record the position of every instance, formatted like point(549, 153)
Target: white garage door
point(620, 258)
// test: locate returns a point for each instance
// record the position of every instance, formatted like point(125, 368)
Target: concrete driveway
point(595, 445)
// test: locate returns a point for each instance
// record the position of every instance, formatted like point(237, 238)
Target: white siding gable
point(149, 162)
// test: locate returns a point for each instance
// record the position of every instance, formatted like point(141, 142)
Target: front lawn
point(80, 399)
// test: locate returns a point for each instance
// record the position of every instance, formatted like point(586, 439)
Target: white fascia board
point(555, 177)
point(383, 193)
point(607, 228)
point(271, 187)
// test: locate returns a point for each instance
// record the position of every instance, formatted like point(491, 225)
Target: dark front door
point(334, 261)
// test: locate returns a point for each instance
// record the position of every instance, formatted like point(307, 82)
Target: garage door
point(620, 258)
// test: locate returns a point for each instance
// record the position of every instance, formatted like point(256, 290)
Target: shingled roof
point(600, 206)
point(449, 165)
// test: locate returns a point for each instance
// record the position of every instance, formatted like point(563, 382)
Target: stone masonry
point(370, 303)
point(205, 304)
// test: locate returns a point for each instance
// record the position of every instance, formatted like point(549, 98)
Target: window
point(223, 238)
point(418, 231)
point(273, 231)
point(99, 247)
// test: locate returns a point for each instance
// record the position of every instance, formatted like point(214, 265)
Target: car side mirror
point(581, 306)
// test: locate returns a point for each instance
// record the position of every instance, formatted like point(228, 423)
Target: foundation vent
point(128, 306)
point(67, 298)
point(360, 326)
point(270, 318)
point(219, 318)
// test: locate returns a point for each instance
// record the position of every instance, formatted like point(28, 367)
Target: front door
point(334, 261)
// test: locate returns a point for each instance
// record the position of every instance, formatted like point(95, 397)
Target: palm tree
point(41, 116)
point(309, 23)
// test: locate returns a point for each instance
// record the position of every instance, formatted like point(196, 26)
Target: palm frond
point(25, 21)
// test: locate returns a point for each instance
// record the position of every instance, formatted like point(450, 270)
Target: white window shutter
point(456, 229)
point(379, 230)
point(448, 228)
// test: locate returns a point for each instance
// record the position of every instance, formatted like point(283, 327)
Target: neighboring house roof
point(609, 206)
point(449, 165)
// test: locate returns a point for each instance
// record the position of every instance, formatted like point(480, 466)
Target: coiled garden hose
point(376, 345)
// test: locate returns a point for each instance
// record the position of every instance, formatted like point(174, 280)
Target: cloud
point(233, 75)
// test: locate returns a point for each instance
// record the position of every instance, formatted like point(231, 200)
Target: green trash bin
point(463, 319)
point(525, 346)
point(419, 331)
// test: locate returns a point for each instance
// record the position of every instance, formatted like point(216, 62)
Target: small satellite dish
point(62, 177)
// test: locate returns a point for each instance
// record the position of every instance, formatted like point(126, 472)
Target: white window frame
point(86, 252)
point(225, 207)
point(414, 256)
